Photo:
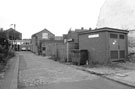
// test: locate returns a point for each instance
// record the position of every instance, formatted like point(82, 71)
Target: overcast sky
point(58, 16)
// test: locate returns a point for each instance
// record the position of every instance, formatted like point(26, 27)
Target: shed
point(104, 45)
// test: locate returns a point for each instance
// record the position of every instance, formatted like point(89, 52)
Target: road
point(37, 72)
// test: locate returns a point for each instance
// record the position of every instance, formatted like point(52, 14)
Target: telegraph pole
point(13, 35)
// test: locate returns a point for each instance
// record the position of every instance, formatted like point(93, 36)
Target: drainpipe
point(68, 40)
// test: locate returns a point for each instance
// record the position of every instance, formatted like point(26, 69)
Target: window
point(114, 54)
point(45, 35)
point(121, 36)
point(114, 36)
point(122, 54)
point(27, 43)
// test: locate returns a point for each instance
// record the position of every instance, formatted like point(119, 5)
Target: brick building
point(72, 41)
point(35, 40)
point(104, 45)
point(12, 34)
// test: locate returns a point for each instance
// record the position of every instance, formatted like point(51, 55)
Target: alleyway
point(36, 72)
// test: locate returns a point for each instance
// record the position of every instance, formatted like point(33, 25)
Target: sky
point(117, 14)
point(58, 16)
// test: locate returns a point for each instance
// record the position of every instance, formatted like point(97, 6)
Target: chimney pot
point(82, 28)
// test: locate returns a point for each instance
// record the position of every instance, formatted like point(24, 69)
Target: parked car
point(23, 48)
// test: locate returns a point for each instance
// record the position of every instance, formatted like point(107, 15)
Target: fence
point(57, 50)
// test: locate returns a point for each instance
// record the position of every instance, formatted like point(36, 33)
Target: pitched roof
point(11, 29)
point(42, 31)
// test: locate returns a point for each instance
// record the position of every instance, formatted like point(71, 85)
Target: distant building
point(37, 37)
point(12, 34)
point(58, 38)
point(72, 36)
point(2, 33)
point(1, 29)
point(72, 41)
point(24, 45)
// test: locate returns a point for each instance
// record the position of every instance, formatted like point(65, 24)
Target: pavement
point(123, 73)
point(9, 79)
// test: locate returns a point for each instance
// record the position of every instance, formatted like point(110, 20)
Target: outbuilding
point(104, 45)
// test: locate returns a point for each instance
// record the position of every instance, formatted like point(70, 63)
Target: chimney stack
point(82, 28)
point(90, 29)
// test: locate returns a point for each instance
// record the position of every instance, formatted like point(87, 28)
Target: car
point(23, 48)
